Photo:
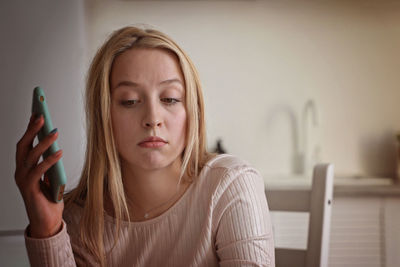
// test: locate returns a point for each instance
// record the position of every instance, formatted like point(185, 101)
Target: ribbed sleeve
point(53, 251)
point(244, 233)
point(221, 220)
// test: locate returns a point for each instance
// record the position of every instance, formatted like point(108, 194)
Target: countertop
point(343, 186)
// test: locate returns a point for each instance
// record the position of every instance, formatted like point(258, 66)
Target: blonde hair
point(101, 174)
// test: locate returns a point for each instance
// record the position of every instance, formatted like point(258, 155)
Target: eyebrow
point(171, 81)
point(133, 84)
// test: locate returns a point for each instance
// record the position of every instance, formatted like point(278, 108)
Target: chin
point(155, 162)
point(152, 160)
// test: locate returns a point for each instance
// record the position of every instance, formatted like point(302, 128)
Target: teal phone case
point(56, 174)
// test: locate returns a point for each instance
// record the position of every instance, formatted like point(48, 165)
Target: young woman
point(149, 194)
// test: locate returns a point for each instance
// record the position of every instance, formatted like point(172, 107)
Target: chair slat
point(288, 200)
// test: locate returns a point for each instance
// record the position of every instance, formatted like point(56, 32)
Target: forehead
point(145, 66)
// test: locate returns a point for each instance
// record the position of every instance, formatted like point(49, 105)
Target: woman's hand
point(45, 216)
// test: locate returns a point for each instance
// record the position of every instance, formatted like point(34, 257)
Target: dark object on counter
point(219, 149)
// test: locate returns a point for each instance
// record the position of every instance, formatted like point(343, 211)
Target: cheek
point(122, 127)
point(181, 122)
point(116, 128)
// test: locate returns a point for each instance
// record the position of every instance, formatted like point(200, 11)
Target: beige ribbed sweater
point(221, 220)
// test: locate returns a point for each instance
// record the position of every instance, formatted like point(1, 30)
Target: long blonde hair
point(101, 174)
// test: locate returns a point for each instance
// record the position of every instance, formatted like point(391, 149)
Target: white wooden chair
point(317, 201)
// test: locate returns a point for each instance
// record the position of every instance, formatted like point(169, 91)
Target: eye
point(170, 100)
point(129, 103)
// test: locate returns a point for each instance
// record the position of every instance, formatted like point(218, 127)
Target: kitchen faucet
point(308, 159)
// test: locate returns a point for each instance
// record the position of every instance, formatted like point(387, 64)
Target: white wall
point(261, 60)
point(42, 43)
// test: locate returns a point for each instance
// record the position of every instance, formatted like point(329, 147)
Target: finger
point(33, 119)
point(37, 173)
point(34, 155)
point(25, 143)
point(32, 129)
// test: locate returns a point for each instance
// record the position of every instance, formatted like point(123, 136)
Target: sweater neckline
point(160, 217)
point(174, 207)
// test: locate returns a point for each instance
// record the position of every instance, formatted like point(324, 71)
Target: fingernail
point(58, 153)
point(53, 131)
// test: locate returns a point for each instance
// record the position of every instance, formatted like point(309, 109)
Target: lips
point(152, 142)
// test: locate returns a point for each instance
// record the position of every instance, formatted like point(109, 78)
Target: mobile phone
point(56, 174)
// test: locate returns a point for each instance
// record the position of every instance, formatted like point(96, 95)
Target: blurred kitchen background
point(287, 84)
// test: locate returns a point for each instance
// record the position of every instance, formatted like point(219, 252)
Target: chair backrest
point(317, 201)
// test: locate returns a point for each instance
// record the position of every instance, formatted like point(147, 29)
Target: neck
point(152, 191)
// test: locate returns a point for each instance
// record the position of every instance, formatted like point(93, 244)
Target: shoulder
point(226, 171)
point(226, 162)
point(227, 166)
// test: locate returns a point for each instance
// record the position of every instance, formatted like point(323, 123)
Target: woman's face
point(148, 108)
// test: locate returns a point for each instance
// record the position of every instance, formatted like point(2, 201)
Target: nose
point(152, 116)
point(152, 124)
